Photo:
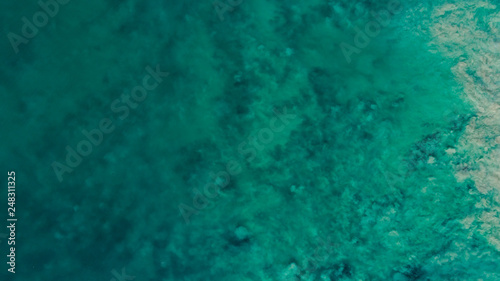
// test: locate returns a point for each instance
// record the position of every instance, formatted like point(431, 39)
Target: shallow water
point(253, 140)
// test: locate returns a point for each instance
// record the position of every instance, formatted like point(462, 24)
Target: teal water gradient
point(264, 154)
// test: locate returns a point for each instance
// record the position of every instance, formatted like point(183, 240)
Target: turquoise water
point(271, 140)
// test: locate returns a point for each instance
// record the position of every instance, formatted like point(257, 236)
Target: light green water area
point(251, 140)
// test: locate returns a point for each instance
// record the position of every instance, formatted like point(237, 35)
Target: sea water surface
point(252, 140)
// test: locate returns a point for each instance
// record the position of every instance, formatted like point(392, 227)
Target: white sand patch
point(458, 35)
